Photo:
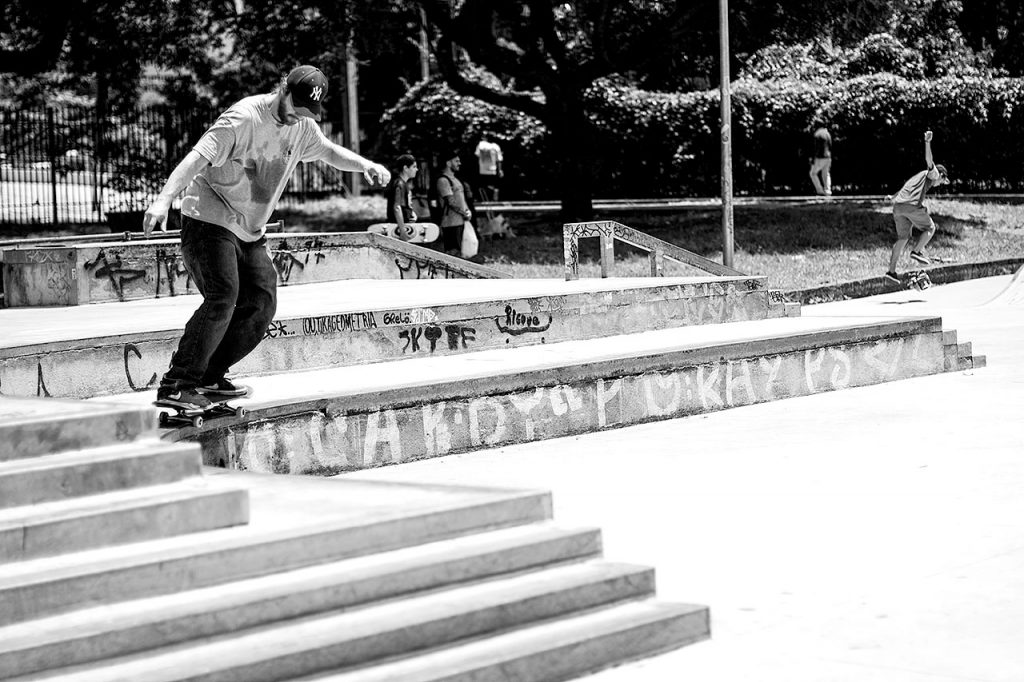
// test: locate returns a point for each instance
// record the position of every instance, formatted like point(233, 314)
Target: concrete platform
point(866, 535)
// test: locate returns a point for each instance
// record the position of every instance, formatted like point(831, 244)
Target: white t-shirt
point(488, 155)
point(251, 157)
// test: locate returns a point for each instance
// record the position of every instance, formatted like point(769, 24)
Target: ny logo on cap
point(317, 93)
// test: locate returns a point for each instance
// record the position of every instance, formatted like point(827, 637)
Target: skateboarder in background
point(910, 214)
point(232, 179)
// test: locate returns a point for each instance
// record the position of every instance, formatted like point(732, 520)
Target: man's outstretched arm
point(188, 168)
point(928, 150)
point(347, 160)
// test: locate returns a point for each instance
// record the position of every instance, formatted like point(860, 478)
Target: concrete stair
point(359, 636)
point(51, 528)
point(60, 584)
point(122, 560)
point(78, 473)
point(118, 629)
point(248, 604)
point(83, 478)
point(29, 428)
point(550, 652)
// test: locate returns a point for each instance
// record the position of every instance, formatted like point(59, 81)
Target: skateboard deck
point(918, 279)
point(183, 416)
point(417, 233)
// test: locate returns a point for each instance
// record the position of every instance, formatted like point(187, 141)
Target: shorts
point(909, 217)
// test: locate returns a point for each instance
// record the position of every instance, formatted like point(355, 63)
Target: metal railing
point(657, 250)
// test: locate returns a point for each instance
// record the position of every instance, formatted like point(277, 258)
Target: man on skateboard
point(910, 213)
point(232, 180)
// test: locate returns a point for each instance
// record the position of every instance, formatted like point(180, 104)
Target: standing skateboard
point(416, 233)
point(184, 416)
point(918, 279)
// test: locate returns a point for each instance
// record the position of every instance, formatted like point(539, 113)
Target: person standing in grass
point(232, 179)
point(910, 214)
point(821, 164)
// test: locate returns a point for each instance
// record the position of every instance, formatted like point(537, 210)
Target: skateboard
point(417, 233)
point(184, 416)
point(918, 279)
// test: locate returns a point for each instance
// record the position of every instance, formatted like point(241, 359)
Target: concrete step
point(60, 584)
point(554, 651)
point(361, 636)
point(124, 516)
point(48, 478)
point(118, 629)
point(348, 418)
point(30, 426)
point(127, 347)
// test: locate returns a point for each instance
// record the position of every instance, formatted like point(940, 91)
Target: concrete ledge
point(80, 273)
point(353, 429)
point(90, 367)
point(942, 274)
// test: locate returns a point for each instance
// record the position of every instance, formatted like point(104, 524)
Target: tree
point(540, 57)
point(33, 34)
point(996, 26)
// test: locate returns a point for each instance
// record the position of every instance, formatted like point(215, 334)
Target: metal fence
point(67, 165)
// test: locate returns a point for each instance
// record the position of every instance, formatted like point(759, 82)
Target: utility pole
point(352, 119)
point(726, 132)
point(424, 47)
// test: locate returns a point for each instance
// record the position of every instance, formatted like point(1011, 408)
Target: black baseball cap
point(308, 88)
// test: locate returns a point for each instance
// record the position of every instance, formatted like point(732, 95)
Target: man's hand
point(377, 174)
point(156, 215)
point(927, 136)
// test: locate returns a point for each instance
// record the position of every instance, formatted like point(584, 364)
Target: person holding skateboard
point(399, 198)
point(232, 179)
point(910, 213)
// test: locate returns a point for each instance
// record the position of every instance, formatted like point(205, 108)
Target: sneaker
point(224, 387)
point(920, 257)
point(892, 277)
point(187, 398)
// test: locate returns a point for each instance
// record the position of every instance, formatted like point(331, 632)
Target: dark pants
point(451, 237)
point(238, 282)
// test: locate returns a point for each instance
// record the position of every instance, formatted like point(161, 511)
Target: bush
point(883, 53)
point(658, 144)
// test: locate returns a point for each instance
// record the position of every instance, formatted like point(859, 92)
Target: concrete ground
point(872, 534)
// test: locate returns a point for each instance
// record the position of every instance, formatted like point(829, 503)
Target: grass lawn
point(796, 246)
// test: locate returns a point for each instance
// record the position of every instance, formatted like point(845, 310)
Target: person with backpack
point(452, 204)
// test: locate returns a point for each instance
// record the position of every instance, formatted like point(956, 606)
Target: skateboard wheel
point(162, 420)
point(239, 411)
point(197, 421)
